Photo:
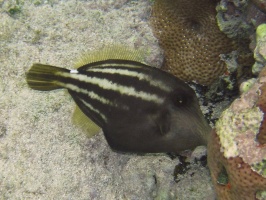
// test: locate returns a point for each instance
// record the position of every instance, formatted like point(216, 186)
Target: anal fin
point(85, 123)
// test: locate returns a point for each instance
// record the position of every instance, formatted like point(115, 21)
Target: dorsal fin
point(111, 52)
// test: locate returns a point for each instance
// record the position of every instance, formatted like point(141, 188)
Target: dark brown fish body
point(139, 108)
point(166, 129)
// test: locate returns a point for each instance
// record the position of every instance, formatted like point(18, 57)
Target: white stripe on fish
point(109, 85)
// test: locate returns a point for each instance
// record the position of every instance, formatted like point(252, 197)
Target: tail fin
point(44, 77)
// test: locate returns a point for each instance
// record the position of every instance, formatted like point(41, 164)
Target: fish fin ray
point(85, 110)
point(119, 52)
point(43, 77)
point(85, 123)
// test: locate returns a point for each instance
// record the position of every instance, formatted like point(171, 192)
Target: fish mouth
point(189, 129)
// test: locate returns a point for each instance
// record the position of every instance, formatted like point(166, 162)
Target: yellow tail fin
point(44, 77)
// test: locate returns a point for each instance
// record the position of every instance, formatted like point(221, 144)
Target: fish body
point(139, 108)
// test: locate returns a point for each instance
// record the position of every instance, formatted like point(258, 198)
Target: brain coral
point(237, 150)
point(192, 42)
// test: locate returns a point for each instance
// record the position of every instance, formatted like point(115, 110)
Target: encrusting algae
point(140, 108)
point(237, 146)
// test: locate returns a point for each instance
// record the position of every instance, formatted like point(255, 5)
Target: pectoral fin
point(163, 121)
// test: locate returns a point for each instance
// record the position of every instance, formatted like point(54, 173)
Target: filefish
point(139, 108)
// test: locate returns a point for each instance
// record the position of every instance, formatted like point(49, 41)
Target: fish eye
point(179, 99)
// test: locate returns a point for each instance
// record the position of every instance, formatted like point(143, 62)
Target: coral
point(239, 20)
point(191, 40)
point(243, 183)
point(231, 18)
point(236, 148)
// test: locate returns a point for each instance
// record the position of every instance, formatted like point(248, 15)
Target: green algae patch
point(260, 167)
point(231, 124)
point(261, 32)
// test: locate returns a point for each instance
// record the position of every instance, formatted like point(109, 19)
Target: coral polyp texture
point(192, 42)
point(237, 150)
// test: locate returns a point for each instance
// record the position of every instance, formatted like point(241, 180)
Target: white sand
point(42, 154)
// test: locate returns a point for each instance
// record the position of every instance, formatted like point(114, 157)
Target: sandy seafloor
point(42, 154)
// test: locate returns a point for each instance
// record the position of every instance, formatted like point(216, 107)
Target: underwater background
point(42, 154)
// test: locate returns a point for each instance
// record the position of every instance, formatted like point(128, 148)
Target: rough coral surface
point(192, 42)
point(237, 146)
point(261, 137)
point(243, 183)
point(239, 20)
point(232, 18)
